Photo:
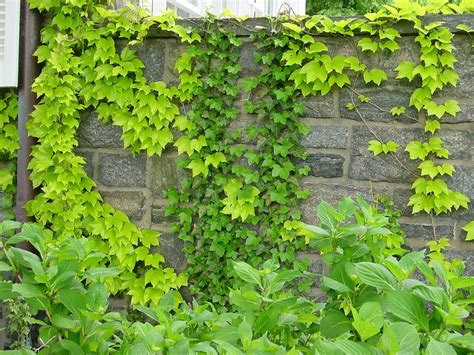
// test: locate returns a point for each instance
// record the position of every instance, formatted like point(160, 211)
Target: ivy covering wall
point(241, 202)
point(239, 208)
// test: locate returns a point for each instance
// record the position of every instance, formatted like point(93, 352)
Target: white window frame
point(252, 8)
point(9, 43)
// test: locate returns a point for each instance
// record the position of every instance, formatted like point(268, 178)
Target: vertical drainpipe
point(29, 70)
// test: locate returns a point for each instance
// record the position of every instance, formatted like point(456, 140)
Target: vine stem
point(377, 137)
point(381, 108)
point(433, 225)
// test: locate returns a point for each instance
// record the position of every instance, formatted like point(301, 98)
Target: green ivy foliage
point(8, 150)
point(234, 205)
point(83, 68)
point(242, 201)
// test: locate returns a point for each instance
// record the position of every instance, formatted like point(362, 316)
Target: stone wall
point(340, 163)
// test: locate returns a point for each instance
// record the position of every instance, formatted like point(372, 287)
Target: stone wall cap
point(251, 25)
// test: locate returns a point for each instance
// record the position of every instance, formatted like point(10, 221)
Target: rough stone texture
point(384, 98)
point(463, 181)
point(247, 61)
point(92, 133)
point(158, 215)
point(465, 115)
point(365, 166)
point(459, 143)
point(327, 137)
point(130, 202)
point(122, 170)
point(425, 231)
point(401, 196)
point(170, 247)
point(325, 165)
point(319, 106)
point(164, 173)
point(152, 54)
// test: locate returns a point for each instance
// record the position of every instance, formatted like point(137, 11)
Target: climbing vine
point(84, 69)
point(8, 150)
point(235, 203)
point(242, 199)
point(319, 72)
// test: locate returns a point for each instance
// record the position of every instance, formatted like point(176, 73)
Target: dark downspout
point(29, 70)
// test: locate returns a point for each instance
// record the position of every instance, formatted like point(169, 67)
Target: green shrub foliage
point(376, 298)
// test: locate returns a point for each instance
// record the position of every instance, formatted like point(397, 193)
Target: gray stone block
point(92, 133)
point(247, 60)
point(365, 166)
point(462, 181)
point(164, 173)
point(385, 98)
point(132, 203)
point(425, 230)
point(459, 143)
point(171, 248)
point(327, 137)
point(325, 165)
point(89, 165)
point(158, 216)
point(319, 106)
point(465, 85)
point(122, 170)
point(332, 193)
point(152, 53)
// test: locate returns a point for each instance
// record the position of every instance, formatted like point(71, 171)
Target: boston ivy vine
point(234, 205)
point(8, 150)
point(83, 68)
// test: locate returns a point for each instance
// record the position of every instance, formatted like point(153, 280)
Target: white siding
point(9, 42)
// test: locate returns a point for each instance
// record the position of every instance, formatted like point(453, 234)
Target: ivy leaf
point(250, 83)
point(428, 168)
point(446, 169)
point(432, 126)
point(198, 167)
point(366, 44)
point(405, 70)
point(215, 159)
point(292, 27)
point(452, 107)
point(316, 47)
point(469, 228)
point(397, 111)
point(375, 75)
point(375, 147)
point(416, 150)
point(449, 77)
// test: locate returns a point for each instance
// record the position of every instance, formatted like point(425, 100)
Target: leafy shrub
point(350, 7)
point(379, 298)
